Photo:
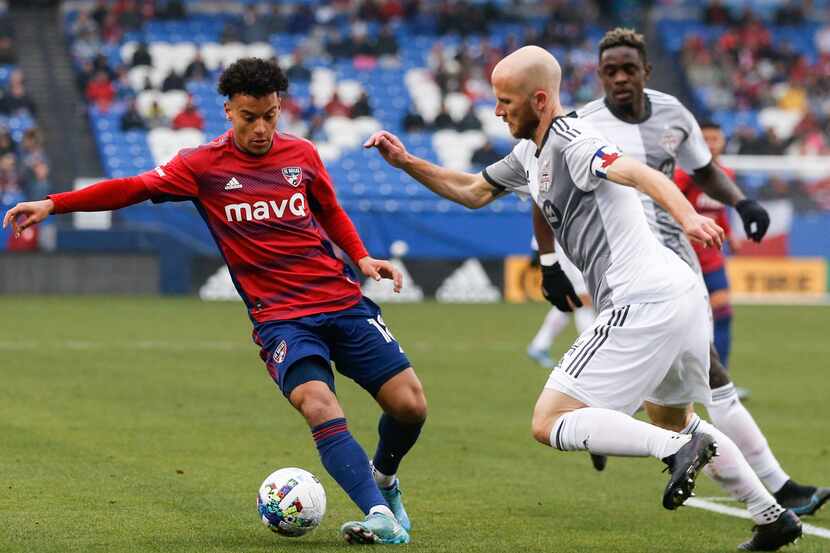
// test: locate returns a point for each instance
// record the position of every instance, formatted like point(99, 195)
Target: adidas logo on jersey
point(233, 184)
point(468, 284)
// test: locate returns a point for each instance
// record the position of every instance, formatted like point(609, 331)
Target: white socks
point(583, 318)
point(731, 417)
point(732, 472)
point(382, 480)
point(554, 323)
point(607, 432)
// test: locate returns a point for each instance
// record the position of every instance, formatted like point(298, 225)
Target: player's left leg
point(719, 298)
point(367, 352)
point(730, 416)
point(539, 348)
point(775, 526)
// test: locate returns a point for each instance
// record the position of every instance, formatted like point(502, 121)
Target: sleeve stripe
point(561, 127)
point(492, 181)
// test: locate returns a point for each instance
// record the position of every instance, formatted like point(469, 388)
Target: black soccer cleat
point(684, 466)
point(802, 500)
point(599, 461)
point(784, 530)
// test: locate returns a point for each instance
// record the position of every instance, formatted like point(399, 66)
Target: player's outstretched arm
point(467, 189)
point(717, 184)
point(381, 268)
point(27, 214)
point(630, 172)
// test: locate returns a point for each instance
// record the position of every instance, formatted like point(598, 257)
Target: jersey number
point(381, 326)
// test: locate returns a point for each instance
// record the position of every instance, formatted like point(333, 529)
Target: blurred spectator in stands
point(717, 14)
point(112, 30)
point(16, 99)
point(7, 145)
point(156, 117)
point(276, 20)
point(297, 71)
point(128, 15)
point(413, 122)
point(37, 185)
point(469, 122)
point(171, 9)
point(122, 84)
point(84, 24)
point(196, 70)
point(9, 177)
point(485, 155)
point(386, 46)
point(254, 26)
point(339, 46)
point(131, 119)
point(789, 13)
point(361, 108)
point(31, 148)
point(86, 46)
point(99, 91)
point(99, 12)
point(336, 108)
point(173, 81)
point(141, 56)
point(231, 32)
point(823, 39)
point(443, 120)
point(189, 118)
point(360, 43)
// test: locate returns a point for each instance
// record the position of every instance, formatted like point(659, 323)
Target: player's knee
point(316, 404)
point(412, 409)
point(541, 426)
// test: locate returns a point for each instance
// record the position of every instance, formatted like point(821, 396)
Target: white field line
point(709, 505)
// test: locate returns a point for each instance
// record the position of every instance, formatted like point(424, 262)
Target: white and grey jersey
point(600, 225)
point(667, 137)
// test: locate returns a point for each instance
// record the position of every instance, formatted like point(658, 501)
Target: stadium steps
point(50, 80)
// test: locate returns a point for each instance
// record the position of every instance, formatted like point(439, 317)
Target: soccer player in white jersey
point(657, 129)
point(558, 317)
point(650, 341)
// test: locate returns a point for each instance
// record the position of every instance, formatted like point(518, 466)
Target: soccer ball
point(291, 502)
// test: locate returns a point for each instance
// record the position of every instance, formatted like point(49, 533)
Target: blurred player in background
point(267, 198)
point(712, 261)
point(650, 340)
point(657, 129)
point(557, 318)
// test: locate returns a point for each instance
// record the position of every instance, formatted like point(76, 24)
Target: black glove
point(557, 289)
point(534, 259)
point(754, 217)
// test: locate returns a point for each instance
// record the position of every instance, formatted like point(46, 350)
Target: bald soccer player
point(650, 342)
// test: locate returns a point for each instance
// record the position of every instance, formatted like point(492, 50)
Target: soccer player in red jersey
point(267, 199)
point(712, 259)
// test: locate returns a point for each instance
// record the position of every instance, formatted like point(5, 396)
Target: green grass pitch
point(145, 424)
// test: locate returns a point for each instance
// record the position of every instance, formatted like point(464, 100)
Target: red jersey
point(263, 212)
point(711, 259)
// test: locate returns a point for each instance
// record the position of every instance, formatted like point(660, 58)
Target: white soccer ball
point(291, 502)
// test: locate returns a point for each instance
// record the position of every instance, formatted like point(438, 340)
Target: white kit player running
point(650, 341)
point(658, 130)
point(556, 321)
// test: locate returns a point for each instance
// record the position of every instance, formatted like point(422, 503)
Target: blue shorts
point(356, 339)
point(716, 280)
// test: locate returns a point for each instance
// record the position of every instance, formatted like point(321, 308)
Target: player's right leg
point(729, 415)
point(775, 526)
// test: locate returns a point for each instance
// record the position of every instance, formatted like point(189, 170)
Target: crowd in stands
point(747, 67)
point(24, 169)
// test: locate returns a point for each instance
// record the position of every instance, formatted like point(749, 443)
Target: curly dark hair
point(624, 37)
point(252, 76)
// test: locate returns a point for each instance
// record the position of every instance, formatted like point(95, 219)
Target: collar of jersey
point(620, 116)
point(547, 133)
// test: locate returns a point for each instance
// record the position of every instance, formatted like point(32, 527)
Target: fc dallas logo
point(293, 175)
point(279, 353)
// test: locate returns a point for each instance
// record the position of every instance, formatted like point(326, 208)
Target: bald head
point(529, 69)
point(526, 86)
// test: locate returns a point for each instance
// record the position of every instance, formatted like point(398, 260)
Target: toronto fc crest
point(293, 175)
